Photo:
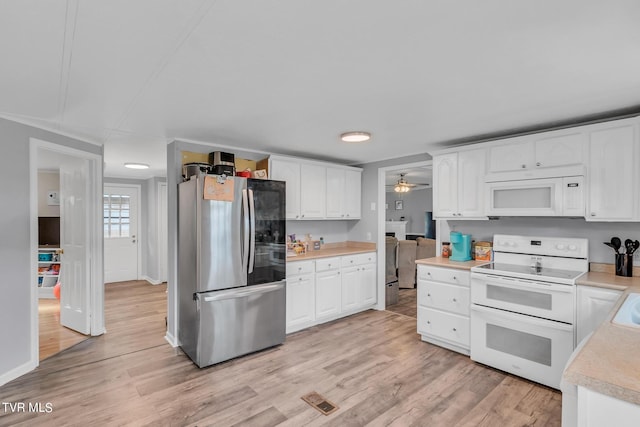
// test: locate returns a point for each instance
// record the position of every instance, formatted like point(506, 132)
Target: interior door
point(120, 205)
point(74, 241)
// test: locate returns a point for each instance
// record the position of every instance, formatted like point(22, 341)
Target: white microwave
point(561, 196)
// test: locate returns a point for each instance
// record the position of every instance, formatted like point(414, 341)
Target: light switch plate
point(373, 206)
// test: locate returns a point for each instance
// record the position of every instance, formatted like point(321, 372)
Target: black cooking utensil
point(628, 245)
point(611, 246)
point(634, 247)
point(616, 242)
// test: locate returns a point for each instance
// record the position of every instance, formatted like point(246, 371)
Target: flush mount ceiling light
point(136, 166)
point(355, 136)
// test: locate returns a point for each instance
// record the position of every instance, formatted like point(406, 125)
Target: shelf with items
point(48, 271)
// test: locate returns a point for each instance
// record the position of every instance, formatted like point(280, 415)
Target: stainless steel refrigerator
point(231, 267)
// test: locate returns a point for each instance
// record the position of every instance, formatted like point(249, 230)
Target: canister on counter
point(446, 249)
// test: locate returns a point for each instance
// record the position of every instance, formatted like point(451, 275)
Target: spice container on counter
point(446, 249)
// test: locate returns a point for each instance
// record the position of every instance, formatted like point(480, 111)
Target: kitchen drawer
point(444, 275)
point(299, 267)
point(358, 259)
point(325, 264)
point(444, 297)
point(446, 326)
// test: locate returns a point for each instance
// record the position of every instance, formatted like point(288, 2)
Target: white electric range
point(523, 305)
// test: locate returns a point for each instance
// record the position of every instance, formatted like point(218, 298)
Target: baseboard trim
point(17, 372)
point(152, 281)
point(171, 340)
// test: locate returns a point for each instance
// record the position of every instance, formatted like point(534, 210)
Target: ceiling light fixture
point(402, 186)
point(136, 166)
point(355, 136)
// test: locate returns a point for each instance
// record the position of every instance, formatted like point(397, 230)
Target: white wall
point(368, 224)
point(414, 205)
point(596, 232)
point(15, 240)
point(330, 231)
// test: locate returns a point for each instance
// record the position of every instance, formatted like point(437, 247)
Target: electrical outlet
point(368, 235)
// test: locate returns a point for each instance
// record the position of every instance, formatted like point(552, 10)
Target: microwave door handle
point(245, 220)
point(252, 217)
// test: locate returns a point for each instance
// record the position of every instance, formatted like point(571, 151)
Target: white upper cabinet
point(289, 172)
point(560, 150)
point(538, 151)
point(515, 155)
point(313, 188)
point(471, 170)
point(612, 174)
point(458, 184)
point(318, 191)
point(335, 192)
point(343, 193)
point(445, 185)
point(353, 194)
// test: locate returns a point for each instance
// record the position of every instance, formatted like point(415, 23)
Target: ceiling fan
point(402, 186)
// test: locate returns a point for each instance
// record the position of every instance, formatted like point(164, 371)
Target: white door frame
point(94, 220)
point(382, 186)
point(138, 189)
point(163, 237)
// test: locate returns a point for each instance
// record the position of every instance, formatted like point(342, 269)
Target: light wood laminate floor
point(372, 365)
point(52, 336)
point(407, 303)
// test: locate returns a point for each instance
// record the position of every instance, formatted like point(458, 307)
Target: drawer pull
point(455, 330)
point(428, 322)
point(454, 300)
point(428, 295)
point(455, 278)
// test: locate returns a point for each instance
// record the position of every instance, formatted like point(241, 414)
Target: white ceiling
point(290, 76)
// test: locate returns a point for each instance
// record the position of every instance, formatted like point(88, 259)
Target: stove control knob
point(573, 247)
point(560, 247)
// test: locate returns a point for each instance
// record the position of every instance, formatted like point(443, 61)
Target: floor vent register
point(320, 403)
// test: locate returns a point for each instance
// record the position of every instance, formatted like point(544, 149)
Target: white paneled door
point(74, 241)
point(120, 207)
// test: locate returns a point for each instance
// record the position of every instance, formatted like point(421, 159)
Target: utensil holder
point(624, 265)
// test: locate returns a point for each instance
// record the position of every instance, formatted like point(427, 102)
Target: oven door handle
point(528, 284)
point(522, 318)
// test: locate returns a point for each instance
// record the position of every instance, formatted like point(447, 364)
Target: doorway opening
point(122, 249)
point(406, 212)
point(75, 260)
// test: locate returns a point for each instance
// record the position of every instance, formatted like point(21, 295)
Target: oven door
point(541, 299)
point(526, 346)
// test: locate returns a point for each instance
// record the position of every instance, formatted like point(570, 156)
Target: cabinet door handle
point(454, 300)
point(455, 330)
point(428, 322)
point(455, 278)
point(428, 295)
point(593, 214)
point(428, 273)
point(538, 164)
point(524, 166)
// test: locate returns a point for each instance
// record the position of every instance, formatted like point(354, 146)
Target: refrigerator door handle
point(252, 216)
point(234, 293)
point(245, 246)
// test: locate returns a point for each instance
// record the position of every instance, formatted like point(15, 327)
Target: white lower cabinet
point(593, 306)
point(328, 295)
point(329, 288)
point(443, 307)
point(301, 302)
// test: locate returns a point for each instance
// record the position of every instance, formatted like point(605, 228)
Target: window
point(116, 215)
